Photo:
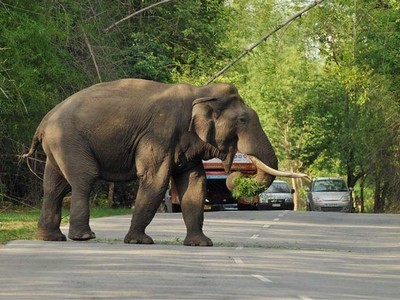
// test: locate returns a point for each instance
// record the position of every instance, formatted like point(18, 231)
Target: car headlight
point(345, 198)
point(317, 199)
point(289, 200)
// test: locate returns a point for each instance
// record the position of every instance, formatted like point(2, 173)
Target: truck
point(218, 196)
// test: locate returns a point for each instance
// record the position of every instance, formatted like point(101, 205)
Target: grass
point(21, 224)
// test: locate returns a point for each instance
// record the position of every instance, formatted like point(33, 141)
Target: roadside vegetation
point(326, 87)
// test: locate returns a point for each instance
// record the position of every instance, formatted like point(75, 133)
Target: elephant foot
point(55, 235)
point(138, 238)
point(197, 240)
point(81, 236)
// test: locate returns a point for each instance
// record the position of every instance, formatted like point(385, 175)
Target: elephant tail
point(39, 133)
point(34, 145)
point(36, 140)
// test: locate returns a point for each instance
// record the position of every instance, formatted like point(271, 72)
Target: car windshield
point(278, 187)
point(329, 185)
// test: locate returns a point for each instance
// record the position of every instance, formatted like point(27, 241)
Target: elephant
point(149, 131)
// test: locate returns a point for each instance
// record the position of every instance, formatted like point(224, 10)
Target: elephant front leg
point(146, 205)
point(149, 197)
point(191, 188)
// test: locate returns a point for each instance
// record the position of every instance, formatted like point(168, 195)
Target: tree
point(34, 73)
point(326, 88)
point(351, 37)
point(276, 80)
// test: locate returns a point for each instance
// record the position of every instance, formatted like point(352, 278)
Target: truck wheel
point(242, 206)
point(176, 208)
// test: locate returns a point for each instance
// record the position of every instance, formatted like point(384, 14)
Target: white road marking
point(255, 236)
point(262, 278)
point(267, 226)
point(305, 298)
point(239, 248)
point(276, 219)
point(281, 215)
point(238, 260)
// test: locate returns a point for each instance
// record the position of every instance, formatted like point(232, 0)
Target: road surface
point(256, 255)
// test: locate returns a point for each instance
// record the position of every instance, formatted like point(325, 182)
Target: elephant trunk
point(259, 149)
point(264, 176)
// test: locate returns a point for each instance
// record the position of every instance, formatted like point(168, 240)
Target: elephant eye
point(242, 120)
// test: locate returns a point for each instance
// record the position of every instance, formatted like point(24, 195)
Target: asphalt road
point(257, 255)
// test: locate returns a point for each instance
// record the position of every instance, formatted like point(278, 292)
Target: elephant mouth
point(265, 174)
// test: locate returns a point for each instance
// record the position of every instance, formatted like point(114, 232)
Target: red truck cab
point(218, 196)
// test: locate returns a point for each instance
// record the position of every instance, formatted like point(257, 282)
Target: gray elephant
point(138, 129)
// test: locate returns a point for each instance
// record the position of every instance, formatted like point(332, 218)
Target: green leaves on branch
point(246, 187)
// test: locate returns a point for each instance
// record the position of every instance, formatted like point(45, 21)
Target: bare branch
point(92, 54)
point(264, 38)
point(136, 13)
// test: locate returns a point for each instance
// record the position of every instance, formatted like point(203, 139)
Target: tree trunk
point(378, 199)
point(110, 198)
point(361, 208)
point(296, 193)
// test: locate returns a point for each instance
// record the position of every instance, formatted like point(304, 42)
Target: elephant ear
point(202, 122)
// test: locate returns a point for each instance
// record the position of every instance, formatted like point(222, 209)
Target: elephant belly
point(115, 161)
point(118, 176)
point(117, 170)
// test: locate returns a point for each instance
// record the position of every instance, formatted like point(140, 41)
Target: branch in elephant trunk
point(271, 171)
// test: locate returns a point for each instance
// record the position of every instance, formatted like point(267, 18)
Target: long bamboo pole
point(264, 38)
point(136, 13)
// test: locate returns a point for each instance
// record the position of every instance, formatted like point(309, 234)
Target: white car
point(278, 196)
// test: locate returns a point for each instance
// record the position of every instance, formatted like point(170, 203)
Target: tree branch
point(264, 38)
point(136, 13)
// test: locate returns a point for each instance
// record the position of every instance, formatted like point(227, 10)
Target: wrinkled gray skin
point(131, 128)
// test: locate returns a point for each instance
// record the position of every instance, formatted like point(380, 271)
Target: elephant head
point(226, 122)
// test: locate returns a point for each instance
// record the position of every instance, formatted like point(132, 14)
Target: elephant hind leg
point(79, 229)
point(55, 189)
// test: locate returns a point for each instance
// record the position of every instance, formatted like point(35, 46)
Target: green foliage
point(177, 42)
point(35, 74)
point(49, 50)
point(245, 187)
